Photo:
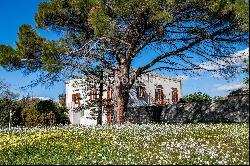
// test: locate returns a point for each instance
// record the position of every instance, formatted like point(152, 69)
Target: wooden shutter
point(73, 98)
point(108, 93)
point(162, 94)
point(79, 98)
point(143, 91)
point(176, 96)
point(173, 96)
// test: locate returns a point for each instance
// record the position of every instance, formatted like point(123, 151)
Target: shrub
point(196, 97)
point(239, 92)
point(44, 113)
point(31, 117)
point(217, 98)
point(5, 106)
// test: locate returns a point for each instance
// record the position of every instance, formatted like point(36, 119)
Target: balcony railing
point(155, 101)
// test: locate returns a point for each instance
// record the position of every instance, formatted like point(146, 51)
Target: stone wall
point(231, 109)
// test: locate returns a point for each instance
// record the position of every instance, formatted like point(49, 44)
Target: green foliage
point(239, 91)
point(30, 113)
point(94, 17)
point(246, 81)
point(5, 106)
point(136, 7)
point(29, 43)
point(44, 113)
point(62, 99)
point(62, 115)
point(82, 21)
point(227, 10)
point(196, 97)
point(217, 98)
point(100, 21)
point(45, 106)
point(31, 117)
point(7, 57)
point(50, 55)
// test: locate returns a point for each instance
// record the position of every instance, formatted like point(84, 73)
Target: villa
point(150, 89)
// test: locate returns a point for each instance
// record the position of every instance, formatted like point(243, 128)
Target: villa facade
point(150, 89)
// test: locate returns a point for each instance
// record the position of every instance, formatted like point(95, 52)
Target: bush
point(44, 113)
point(239, 92)
point(217, 98)
point(5, 106)
point(32, 112)
point(31, 117)
point(196, 97)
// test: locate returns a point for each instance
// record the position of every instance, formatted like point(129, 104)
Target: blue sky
point(14, 13)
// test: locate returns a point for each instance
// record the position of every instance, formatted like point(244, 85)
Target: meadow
point(128, 144)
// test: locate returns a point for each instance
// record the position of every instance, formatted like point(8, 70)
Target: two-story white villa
point(150, 89)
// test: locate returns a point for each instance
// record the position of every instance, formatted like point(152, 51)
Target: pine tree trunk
point(121, 94)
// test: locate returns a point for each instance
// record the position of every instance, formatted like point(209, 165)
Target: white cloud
point(183, 77)
point(227, 87)
point(234, 60)
point(42, 98)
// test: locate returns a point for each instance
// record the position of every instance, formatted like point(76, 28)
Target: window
point(174, 95)
point(157, 94)
point(76, 98)
point(141, 91)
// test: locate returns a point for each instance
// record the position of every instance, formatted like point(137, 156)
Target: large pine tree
point(184, 33)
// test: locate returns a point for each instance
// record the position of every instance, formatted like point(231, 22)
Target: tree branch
point(190, 45)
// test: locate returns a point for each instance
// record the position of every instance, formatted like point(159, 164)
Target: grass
point(128, 144)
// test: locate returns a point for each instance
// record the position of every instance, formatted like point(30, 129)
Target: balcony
point(155, 101)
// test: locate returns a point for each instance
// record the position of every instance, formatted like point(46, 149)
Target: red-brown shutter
point(143, 91)
point(73, 98)
point(173, 96)
point(162, 94)
point(79, 97)
point(108, 93)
